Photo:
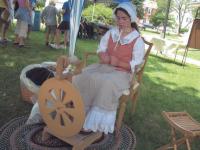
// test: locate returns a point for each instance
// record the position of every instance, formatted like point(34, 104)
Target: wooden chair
point(184, 123)
point(123, 99)
point(69, 118)
point(133, 92)
point(62, 110)
point(139, 73)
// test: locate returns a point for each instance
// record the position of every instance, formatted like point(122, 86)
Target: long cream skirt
point(101, 86)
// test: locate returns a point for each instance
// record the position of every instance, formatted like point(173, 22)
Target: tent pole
point(93, 11)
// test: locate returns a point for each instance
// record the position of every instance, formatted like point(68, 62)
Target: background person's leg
point(23, 32)
point(5, 27)
point(47, 35)
point(58, 34)
point(17, 30)
point(66, 38)
point(52, 33)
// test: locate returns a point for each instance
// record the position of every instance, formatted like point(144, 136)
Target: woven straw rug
point(16, 135)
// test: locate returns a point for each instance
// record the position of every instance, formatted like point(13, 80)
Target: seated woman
point(120, 50)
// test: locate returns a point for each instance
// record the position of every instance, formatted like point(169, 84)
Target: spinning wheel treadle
point(61, 107)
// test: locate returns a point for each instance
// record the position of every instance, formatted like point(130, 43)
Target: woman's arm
point(102, 49)
point(138, 54)
point(104, 58)
point(137, 57)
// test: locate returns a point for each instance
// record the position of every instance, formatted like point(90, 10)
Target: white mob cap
point(130, 8)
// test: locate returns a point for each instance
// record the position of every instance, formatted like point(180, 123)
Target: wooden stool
point(185, 124)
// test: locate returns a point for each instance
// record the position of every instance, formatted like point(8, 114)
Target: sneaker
point(62, 46)
point(57, 46)
point(54, 46)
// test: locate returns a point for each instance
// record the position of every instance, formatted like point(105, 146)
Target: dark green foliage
point(139, 5)
point(101, 13)
point(158, 18)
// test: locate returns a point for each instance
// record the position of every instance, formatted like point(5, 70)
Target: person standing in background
point(23, 16)
point(31, 23)
point(49, 17)
point(64, 26)
point(5, 7)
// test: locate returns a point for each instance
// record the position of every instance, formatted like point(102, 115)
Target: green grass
point(169, 36)
point(192, 53)
point(166, 86)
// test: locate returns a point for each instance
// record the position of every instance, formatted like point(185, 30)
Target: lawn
point(166, 86)
point(192, 53)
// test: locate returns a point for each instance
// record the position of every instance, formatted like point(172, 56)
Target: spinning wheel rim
point(61, 107)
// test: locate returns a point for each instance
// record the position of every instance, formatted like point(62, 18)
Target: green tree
point(162, 5)
point(180, 7)
point(139, 5)
point(158, 18)
point(101, 13)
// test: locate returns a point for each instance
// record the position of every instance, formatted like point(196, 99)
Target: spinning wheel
point(61, 107)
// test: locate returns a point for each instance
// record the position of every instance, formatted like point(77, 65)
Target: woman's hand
point(104, 58)
point(114, 61)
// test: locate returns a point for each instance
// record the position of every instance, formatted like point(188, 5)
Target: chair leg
point(122, 109)
point(134, 102)
point(188, 144)
point(171, 145)
point(173, 134)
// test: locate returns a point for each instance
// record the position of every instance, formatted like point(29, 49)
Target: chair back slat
point(140, 71)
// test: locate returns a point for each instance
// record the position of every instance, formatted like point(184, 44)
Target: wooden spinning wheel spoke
point(68, 119)
point(66, 99)
point(50, 97)
point(63, 94)
point(57, 118)
point(58, 94)
point(69, 104)
point(50, 110)
point(70, 112)
point(49, 103)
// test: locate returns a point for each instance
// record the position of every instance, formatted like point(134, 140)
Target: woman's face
point(123, 20)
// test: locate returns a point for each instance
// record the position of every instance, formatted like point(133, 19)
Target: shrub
point(101, 14)
point(183, 30)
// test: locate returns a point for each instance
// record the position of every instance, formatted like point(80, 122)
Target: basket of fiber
point(32, 77)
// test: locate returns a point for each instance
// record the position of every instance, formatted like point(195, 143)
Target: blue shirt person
point(64, 26)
